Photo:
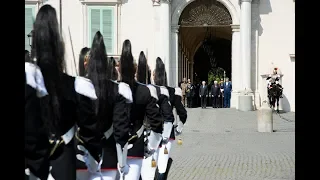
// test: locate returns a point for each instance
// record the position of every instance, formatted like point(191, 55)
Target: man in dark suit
point(227, 88)
point(221, 92)
point(215, 94)
point(190, 93)
point(203, 92)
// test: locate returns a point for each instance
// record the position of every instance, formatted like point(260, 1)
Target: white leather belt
point(175, 115)
point(140, 131)
point(67, 137)
point(108, 133)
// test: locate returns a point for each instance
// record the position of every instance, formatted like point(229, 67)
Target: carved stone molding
point(175, 29)
point(100, 1)
point(292, 56)
point(158, 2)
point(245, 0)
point(235, 27)
point(202, 12)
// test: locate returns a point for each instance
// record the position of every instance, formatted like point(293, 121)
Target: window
point(101, 18)
point(29, 14)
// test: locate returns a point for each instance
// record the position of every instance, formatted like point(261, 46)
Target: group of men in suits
point(220, 94)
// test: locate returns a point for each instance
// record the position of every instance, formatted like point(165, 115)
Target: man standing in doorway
point(184, 88)
point(190, 93)
point(227, 88)
point(221, 99)
point(215, 94)
point(203, 92)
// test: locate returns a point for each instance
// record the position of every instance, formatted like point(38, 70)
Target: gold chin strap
point(86, 57)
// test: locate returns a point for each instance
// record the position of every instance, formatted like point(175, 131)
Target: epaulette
point(84, 87)
point(153, 91)
point(164, 91)
point(178, 91)
point(35, 79)
point(125, 91)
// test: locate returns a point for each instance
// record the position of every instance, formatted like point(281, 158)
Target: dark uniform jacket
point(164, 104)
point(75, 107)
point(36, 149)
point(175, 101)
point(111, 126)
point(144, 105)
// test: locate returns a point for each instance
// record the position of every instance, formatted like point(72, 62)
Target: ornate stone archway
point(205, 13)
point(184, 3)
point(193, 13)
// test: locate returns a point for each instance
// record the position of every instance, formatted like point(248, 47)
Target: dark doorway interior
point(202, 65)
point(222, 55)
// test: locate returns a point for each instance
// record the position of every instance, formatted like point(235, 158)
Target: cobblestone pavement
point(224, 144)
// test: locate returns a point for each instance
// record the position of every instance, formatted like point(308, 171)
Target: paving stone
point(224, 144)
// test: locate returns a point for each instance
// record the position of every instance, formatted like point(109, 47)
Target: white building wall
point(276, 42)
point(137, 25)
point(72, 27)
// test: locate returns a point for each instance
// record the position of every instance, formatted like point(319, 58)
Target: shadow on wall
point(285, 104)
point(264, 8)
point(124, 1)
point(259, 7)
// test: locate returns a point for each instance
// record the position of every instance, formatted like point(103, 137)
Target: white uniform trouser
point(147, 171)
point(134, 169)
point(163, 158)
point(105, 174)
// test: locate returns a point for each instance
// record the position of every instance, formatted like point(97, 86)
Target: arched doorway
point(180, 55)
point(205, 41)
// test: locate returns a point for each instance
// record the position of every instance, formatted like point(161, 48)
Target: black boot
point(161, 176)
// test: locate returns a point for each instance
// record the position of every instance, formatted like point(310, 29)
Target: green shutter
point(94, 24)
point(107, 29)
point(101, 19)
point(28, 20)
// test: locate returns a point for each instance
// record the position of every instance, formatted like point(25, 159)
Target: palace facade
point(261, 36)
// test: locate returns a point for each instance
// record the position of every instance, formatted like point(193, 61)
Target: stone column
point(165, 27)
point(236, 66)
point(191, 71)
point(179, 63)
point(245, 31)
point(185, 66)
point(175, 54)
point(163, 13)
point(188, 69)
point(182, 65)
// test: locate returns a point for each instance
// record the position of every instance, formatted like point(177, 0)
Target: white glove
point(92, 165)
point(123, 167)
point(123, 170)
point(167, 128)
point(154, 140)
point(178, 129)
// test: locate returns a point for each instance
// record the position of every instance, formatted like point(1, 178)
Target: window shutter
point(94, 23)
point(28, 19)
point(107, 29)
